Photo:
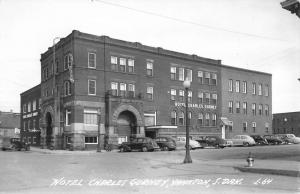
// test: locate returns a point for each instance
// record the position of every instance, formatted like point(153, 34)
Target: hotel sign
point(200, 106)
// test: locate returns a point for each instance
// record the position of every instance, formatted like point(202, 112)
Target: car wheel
point(217, 146)
point(246, 144)
point(144, 149)
point(122, 149)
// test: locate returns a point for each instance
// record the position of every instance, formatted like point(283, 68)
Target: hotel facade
point(96, 84)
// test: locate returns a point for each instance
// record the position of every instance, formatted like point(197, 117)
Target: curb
point(292, 173)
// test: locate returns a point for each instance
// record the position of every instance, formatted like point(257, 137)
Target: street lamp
point(187, 159)
point(99, 118)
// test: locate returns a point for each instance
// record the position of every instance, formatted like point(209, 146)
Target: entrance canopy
point(225, 121)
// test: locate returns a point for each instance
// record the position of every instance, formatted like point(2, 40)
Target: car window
point(243, 137)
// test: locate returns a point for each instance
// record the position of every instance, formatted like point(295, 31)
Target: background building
point(9, 125)
point(286, 123)
point(96, 84)
point(30, 115)
point(291, 5)
point(246, 101)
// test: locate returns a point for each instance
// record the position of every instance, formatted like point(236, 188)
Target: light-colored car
point(180, 142)
point(289, 138)
point(244, 140)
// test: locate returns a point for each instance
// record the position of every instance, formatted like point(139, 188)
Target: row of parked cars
point(167, 143)
point(7, 143)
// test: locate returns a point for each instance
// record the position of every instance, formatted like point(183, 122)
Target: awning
point(225, 121)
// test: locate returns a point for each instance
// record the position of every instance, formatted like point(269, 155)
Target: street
point(152, 172)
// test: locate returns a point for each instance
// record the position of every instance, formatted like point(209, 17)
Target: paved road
point(136, 172)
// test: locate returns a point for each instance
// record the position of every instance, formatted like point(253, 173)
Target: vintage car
point(166, 143)
point(143, 144)
point(259, 140)
point(180, 142)
point(14, 144)
point(289, 138)
point(273, 140)
point(212, 141)
point(242, 140)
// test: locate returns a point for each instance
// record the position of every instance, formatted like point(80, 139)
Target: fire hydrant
point(250, 160)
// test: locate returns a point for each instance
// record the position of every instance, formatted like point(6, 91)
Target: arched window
point(173, 118)
point(200, 119)
point(68, 61)
point(207, 118)
point(181, 118)
point(67, 88)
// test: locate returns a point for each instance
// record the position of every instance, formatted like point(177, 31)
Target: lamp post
point(187, 159)
point(99, 118)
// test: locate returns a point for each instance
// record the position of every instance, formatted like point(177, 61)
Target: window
point(92, 87)
point(254, 127)
point(68, 118)
point(214, 99)
point(245, 108)
point(253, 109)
point(213, 79)
point(200, 77)
point(91, 140)
point(260, 109)
point(150, 92)
point(173, 118)
point(207, 98)
point(230, 106)
point(245, 126)
point(266, 90)
point(92, 60)
point(190, 95)
point(214, 120)
point(230, 85)
point(24, 108)
point(237, 86)
point(131, 90)
point(33, 124)
point(67, 88)
point(181, 74)
point(114, 88)
point(150, 69)
point(29, 125)
point(173, 73)
point(254, 88)
point(114, 63)
point(24, 125)
point(173, 94)
point(237, 107)
point(189, 75)
point(122, 89)
point(181, 95)
point(200, 97)
point(33, 140)
point(29, 107)
point(33, 105)
point(267, 110)
point(90, 116)
point(56, 66)
point(122, 64)
point(267, 128)
point(244, 87)
point(130, 65)
point(181, 118)
point(207, 118)
point(260, 89)
point(200, 119)
point(68, 60)
point(207, 78)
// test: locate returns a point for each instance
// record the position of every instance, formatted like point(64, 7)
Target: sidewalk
point(68, 152)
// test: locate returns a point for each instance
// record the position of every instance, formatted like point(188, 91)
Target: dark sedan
point(143, 144)
point(166, 143)
point(259, 140)
point(12, 144)
point(212, 141)
point(273, 140)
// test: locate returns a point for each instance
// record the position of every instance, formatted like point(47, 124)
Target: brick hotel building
point(128, 89)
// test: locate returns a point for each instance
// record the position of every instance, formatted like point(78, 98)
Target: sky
point(253, 34)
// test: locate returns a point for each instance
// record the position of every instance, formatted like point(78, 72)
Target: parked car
point(13, 144)
point(143, 144)
point(289, 138)
point(166, 143)
point(180, 142)
point(259, 140)
point(274, 140)
point(244, 140)
point(214, 141)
